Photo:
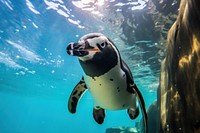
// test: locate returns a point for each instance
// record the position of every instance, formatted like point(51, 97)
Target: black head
point(96, 53)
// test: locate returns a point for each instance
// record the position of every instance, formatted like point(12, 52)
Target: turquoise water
point(37, 76)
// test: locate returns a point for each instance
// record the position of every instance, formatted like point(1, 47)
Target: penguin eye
point(103, 45)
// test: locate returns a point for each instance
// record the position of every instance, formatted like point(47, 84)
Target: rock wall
point(179, 94)
point(151, 23)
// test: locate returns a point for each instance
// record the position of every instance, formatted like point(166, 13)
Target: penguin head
point(93, 46)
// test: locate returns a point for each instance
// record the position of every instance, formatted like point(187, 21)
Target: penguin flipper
point(98, 114)
point(76, 94)
point(142, 105)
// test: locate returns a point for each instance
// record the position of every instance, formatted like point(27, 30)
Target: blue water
point(37, 76)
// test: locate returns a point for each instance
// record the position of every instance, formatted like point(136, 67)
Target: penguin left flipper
point(76, 94)
point(142, 104)
point(98, 114)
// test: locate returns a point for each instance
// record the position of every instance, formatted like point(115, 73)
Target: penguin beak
point(80, 50)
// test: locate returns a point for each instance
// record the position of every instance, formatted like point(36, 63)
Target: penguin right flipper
point(98, 114)
point(132, 88)
point(76, 94)
point(142, 105)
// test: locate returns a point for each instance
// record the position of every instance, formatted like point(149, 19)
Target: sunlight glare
point(98, 2)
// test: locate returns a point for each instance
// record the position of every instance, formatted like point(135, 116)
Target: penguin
point(106, 76)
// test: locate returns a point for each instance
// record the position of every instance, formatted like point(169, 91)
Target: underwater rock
point(180, 73)
point(152, 23)
point(166, 6)
point(121, 130)
point(153, 119)
point(152, 114)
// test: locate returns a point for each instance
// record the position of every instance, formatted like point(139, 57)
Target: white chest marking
point(110, 90)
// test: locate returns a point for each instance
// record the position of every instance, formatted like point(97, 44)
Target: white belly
point(110, 90)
